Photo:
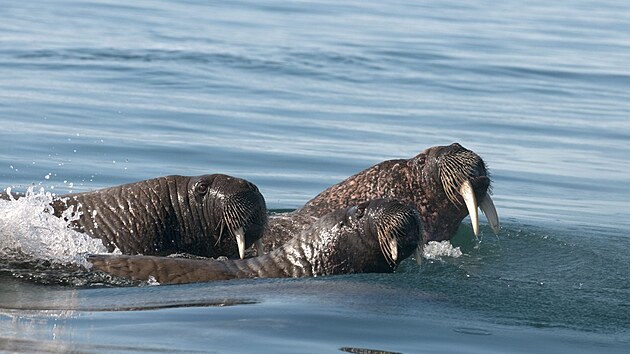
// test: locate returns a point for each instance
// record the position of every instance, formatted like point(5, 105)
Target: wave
point(29, 232)
point(323, 64)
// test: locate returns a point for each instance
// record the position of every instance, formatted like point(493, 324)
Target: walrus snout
point(396, 226)
point(235, 205)
point(466, 180)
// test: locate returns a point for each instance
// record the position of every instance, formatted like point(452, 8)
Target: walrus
point(374, 236)
point(210, 215)
point(445, 183)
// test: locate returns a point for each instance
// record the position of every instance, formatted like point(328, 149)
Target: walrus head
point(234, 206)
point(374, 236)
point(454, 181)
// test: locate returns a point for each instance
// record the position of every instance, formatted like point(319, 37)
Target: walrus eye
point(202, 188)
point(355, 212)
point(359, 213)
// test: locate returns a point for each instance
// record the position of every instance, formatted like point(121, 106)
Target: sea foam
point(30, 232)
point(437, 250)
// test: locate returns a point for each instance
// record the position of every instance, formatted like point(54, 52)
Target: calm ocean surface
point(296, 96)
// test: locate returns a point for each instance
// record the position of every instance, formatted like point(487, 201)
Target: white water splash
point(152, 281)
point(30, 232)
point(437, 250)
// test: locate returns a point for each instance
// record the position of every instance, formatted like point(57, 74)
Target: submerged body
point(209, 215)
point(374, 236)
point(445, 183)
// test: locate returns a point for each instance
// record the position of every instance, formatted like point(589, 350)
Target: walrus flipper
point(164, 270)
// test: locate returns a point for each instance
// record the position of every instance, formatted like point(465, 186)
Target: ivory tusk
point(468, 194)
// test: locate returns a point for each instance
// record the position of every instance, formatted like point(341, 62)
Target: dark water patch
point(608, 79)
point(472, 331)
point(365, 351)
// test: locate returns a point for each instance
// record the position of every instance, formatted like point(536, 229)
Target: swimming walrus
point(209, 215)
point(445, 183)
point(371, 237)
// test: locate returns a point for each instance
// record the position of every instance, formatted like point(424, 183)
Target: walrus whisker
point(387, 245)
point(389, 235)
point(220, 227)
point(455, 170)
point(234, 221)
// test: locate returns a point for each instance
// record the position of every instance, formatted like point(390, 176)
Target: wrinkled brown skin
point(171, 214)
point(414, 181)
point(345, 241)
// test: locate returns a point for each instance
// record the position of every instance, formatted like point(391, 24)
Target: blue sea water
point(296, 96)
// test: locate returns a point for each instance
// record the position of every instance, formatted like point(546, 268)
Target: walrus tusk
point(259, 247)
point(468, 194)
point(419, 253)
point(240, 242)
point(487, 206)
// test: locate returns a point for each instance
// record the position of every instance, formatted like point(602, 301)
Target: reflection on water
point(25, 326)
